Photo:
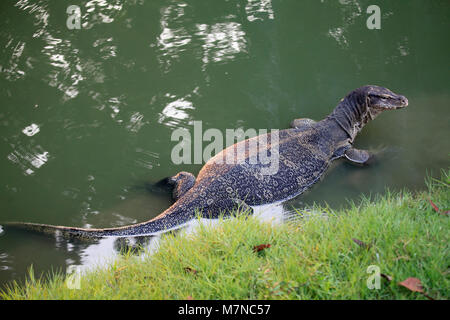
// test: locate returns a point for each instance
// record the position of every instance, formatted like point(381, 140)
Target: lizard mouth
point(392, 103)
point(404, 102)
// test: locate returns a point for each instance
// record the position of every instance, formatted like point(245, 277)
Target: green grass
point(311, 258)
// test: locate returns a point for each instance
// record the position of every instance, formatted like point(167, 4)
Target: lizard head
point(364, 104)
point(379, 99)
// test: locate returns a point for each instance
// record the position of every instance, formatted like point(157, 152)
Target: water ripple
point(12, 69)
point(219, 42)
point(259, 10)
point(29, 157)
point(174, 112)
point(222, 41)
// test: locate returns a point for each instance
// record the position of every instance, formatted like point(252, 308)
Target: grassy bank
point(313, 258)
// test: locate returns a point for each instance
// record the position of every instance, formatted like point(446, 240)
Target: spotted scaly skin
point(304, 154)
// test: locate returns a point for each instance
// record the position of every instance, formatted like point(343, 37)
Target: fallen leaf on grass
point(260, 247)
point(361, 244)
point(412, 284)
point(436, 208)
point(190, 270)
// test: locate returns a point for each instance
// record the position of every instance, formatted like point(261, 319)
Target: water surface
point(87, 114)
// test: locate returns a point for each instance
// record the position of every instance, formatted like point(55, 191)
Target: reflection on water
point(85, 255)
point(175, 111)
point(28, 157)
point(259, 10)
point(86, 115)
point(402, 47)
point(136, 122)
point(103, 251)
point(11, 69)
point(351, 10)
point(100, 11)
point(69, 68)
point(40, 13)
point(106, 48)
point(57, 50)
point(338, 35)
point(31, 130)
point(222, 41)
point(146, 158)
point(174, 37)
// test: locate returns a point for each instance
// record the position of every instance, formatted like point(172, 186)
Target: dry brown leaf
point(436, 208)
point(190, 270)
point(412, 284)
point(361, 244)
point(415, 285)
point(260, 247)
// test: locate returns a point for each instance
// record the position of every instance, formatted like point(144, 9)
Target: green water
point(87, 114)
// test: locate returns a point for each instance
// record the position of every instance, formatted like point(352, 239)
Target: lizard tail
point(171, 219)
